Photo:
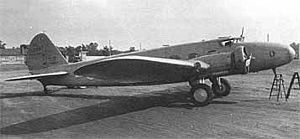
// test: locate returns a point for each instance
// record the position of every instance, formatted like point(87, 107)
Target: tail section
point(42, 53)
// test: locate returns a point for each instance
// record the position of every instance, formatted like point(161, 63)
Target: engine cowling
point(235, 62)
point(240, 60)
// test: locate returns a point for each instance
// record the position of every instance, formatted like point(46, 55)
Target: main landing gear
point(220, 87)
point(46, 91)
point(202, 94)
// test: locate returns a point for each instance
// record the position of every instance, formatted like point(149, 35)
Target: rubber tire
point(208, 93)
point(217, 91)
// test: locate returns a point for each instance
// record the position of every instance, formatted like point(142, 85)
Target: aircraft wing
point(133, 70)
point(37, 76)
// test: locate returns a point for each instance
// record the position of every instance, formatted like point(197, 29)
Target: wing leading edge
point(37, 76)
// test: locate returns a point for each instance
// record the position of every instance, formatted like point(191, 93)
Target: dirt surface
point(147, 111)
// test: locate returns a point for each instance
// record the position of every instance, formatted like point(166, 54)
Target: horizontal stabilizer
point(37, 76)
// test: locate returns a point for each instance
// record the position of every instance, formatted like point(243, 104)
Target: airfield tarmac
point(159, 111)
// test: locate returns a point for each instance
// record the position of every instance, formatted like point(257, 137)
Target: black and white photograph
point(149, 69)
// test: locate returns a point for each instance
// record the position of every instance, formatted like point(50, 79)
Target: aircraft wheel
point(223, 89)
point(201, 95)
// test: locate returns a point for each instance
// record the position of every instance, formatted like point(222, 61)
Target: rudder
point(42, 53)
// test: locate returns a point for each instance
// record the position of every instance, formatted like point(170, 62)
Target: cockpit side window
point(227, 43)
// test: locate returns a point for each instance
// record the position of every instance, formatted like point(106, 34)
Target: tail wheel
point(201, 95)
point(223, 89)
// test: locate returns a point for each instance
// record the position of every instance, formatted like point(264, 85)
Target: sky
point(152, 23)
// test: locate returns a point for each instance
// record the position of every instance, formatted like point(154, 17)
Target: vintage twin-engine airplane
point(191, 63)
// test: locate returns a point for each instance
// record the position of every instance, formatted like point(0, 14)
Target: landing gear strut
point(46, 91)
point(201, 94)
point(220, 87)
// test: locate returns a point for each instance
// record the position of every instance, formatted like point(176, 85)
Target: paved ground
point(147, 111)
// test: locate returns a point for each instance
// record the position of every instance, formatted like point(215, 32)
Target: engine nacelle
point(236, 62)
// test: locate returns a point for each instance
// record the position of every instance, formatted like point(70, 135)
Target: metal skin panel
point(217, 62)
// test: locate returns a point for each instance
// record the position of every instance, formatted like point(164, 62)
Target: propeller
point(248, 58)
point(242, 35)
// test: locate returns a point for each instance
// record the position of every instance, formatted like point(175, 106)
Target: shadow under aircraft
point(116, 105)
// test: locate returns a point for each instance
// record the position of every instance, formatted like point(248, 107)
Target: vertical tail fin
point(42, 53)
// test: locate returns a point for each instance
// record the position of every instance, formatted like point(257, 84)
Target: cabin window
point(192, 55)
point(174, 57)
point(272, 53)
point(211, 51)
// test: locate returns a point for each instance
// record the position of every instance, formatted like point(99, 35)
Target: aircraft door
point(240, 60)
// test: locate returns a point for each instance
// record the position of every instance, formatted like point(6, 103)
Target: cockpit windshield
point(229, 41)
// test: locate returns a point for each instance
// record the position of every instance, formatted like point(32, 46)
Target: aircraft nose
point(270, 55)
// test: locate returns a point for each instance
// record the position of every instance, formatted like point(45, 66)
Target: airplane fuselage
point(190, 63)
point(264, 56)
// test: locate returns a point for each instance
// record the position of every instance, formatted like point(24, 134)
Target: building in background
point(24, 49)
point(11, 56)
point(84, 57)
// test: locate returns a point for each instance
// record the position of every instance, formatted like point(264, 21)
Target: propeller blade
point(248, 61)
point(242, 32)
point(242, 35)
